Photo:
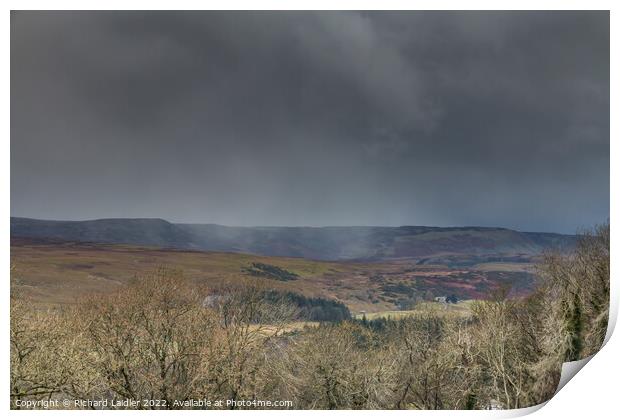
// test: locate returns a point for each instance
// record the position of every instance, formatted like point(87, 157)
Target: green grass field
point(461, 309)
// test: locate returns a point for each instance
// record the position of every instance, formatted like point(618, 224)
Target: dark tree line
point(311, 308)
point(274, 272)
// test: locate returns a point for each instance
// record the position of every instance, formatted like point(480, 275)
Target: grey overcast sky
point(312, 118)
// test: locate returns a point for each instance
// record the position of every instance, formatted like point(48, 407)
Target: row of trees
point(311, 308)
point(270, 271)
point(157, 339)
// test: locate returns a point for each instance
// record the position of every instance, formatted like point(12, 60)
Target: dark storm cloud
point(269, 118)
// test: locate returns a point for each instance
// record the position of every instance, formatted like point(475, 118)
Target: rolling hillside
point(56, 272)
point(322, 243)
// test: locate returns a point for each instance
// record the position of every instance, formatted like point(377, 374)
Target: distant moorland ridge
point(319, 243)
